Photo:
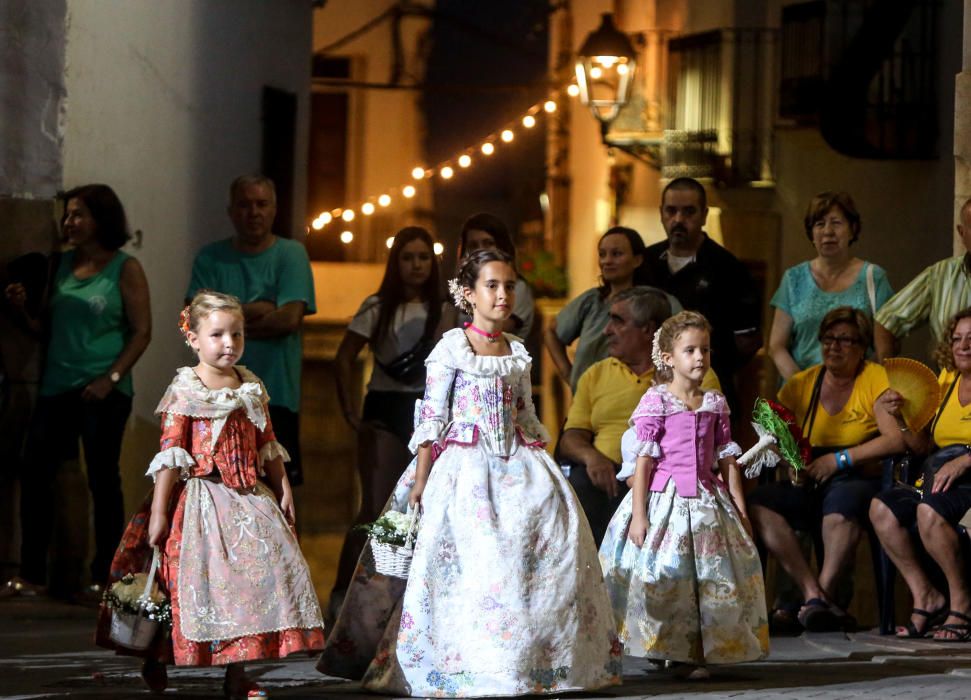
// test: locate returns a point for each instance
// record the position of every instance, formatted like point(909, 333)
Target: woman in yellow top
point(836, 403)
point(946, 498)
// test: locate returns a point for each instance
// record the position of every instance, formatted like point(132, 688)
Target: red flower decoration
point(184, 327)
point(805, 449)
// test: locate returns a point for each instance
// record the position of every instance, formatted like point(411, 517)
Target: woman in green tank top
point(97, 323)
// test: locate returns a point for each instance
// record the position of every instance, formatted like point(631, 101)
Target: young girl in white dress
point(682, 570)
point(505, 595)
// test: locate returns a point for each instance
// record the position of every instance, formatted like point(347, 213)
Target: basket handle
point(409, 539)
point(151, 578)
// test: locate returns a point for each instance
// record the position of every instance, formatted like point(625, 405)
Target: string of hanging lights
point(444, 170)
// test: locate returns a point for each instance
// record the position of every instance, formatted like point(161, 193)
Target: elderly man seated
point(607, 393)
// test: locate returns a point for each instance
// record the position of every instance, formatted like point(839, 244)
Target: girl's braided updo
point(468, 270)
point(667, 335)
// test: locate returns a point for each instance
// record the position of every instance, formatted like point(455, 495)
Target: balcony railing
point(721, 105)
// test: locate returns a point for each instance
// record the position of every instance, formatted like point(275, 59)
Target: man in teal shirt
point(271, 276)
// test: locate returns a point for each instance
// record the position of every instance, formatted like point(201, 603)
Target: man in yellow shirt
point(607, 393)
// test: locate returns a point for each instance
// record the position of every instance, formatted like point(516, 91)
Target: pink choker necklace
point(491, 337)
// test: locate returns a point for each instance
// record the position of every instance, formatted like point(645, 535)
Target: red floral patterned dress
point(245, 591)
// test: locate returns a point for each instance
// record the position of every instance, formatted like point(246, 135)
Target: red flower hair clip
point(184, 326)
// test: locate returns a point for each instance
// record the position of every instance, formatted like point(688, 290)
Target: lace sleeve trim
point(729, 449)
point(172, 458)
point(428, 431)
point(271, 451)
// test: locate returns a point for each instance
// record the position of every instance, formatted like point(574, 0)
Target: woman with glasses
point(850, 430)
point(835, 277)
point(933, 515)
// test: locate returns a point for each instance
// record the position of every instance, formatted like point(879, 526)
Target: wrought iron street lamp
point(605, 71)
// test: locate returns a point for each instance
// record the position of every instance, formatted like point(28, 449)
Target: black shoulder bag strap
point(940, 409)
point(810, 417)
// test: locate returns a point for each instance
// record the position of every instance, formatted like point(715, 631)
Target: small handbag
point(935, 460)
point(409, 367)
point(933, 463)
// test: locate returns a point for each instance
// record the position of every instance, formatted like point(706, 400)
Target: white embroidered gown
point(505, 595)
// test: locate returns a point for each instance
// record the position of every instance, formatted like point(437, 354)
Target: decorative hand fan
point(917, 383)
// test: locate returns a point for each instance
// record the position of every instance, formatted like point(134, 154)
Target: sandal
point(960, 630)
point(934, 620)
point(244, 690)
point(816, 615)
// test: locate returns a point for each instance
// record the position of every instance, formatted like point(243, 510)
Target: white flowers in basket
point(138, 608)
point(392, 542)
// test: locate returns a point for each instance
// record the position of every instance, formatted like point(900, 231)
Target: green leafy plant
point(543, 274)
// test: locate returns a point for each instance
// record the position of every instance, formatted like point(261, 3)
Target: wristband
point(843, 460)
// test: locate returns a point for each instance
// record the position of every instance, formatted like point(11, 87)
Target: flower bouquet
point(138, 608)
point(776, 427)
point(392, 541)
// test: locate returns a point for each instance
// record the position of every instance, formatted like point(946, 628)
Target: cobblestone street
point(46, 652)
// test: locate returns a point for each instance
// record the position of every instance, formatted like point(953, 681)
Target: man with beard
point(271, 276)
point(706, 278)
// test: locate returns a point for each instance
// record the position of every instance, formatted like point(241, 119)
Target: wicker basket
point(395, 560)
point(134, 630)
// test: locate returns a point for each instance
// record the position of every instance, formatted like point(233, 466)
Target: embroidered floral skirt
point(694, 592)
point(505, 595)
point(246, 594)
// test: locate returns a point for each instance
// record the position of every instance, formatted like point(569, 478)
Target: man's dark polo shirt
point(717, 285)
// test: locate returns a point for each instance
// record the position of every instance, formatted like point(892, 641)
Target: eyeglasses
point(844, 341)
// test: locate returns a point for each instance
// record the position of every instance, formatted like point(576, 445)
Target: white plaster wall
point(164, 104)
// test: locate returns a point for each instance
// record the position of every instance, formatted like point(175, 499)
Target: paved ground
point(46, 652)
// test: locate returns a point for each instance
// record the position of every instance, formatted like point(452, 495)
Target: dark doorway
point(279, 141)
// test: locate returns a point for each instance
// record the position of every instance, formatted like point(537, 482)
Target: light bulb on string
point(408, 191)
point(465, 160)
point(367, 209)
point(384, 200)
point(549, 106)
point(418, 173)
point(529, 121)
point(596, 72)
point(572, 89)
point(488, 149)
point(622, 69)
point(317, 224)
point(348, 215)
point(346, 236)
point(446, 172)
point(438, 248)
point(389, 242)
point(507, 135)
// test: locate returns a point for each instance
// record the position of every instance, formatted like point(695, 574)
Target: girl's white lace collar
point(454, 351)
point(712, 402)
point(188, 396)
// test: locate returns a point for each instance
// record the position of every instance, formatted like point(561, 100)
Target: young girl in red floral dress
point(222, 504)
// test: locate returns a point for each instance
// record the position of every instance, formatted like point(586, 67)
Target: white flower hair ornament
point(457, 291)
point(656, 351)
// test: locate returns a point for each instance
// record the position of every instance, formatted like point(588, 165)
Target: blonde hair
point(668, 334)
point(203, 304)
